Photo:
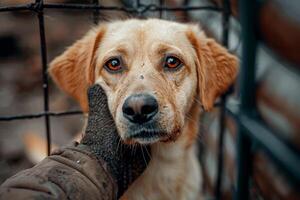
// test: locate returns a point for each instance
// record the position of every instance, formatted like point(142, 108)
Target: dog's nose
point(140, 108)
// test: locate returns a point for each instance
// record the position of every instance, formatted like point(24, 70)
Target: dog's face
point(149, 70)
point(153, 72)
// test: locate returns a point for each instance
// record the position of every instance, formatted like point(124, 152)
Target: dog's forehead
point(137, 31)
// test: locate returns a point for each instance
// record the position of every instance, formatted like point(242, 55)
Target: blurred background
point(277, 76)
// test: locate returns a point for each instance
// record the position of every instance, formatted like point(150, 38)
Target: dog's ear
point(216, 67)
point(74, 70)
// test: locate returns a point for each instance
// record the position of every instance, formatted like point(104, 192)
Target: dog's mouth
point(145, 134)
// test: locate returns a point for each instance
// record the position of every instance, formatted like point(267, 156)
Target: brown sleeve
point(70, 173)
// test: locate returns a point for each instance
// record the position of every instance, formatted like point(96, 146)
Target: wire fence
point(250, 129)
point(39, 6)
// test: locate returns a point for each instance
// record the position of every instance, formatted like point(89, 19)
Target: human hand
point(125, 162)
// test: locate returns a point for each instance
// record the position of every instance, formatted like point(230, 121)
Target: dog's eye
point(172, 62)
point(113, 65)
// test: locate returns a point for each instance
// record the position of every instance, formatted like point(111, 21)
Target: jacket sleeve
point(69, 173)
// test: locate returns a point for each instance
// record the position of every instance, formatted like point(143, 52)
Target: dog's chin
point(144, 141)
point(144, 135)
point(148, 133)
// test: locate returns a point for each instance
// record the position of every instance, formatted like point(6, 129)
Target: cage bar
point(225, 33)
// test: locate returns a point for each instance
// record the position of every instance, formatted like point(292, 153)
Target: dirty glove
point(101, 136)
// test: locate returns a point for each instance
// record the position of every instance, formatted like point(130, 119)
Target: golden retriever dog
point(157, 74)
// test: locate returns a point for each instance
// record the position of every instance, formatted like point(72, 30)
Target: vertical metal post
point(138, 5)
point(186, 15)
point(247, 10)
point(161, 4)
point(225, 22)
point(225, 25)
point(96, 13)
point(40, 12)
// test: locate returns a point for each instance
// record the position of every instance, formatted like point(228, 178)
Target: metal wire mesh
point(139, 9)
point(39, 6)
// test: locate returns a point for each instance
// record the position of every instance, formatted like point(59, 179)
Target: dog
point(157, 75)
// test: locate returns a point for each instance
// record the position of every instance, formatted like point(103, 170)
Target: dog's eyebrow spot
point(121, 50)
point(162, 48)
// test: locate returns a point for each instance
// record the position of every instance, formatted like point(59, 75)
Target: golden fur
point(208, 70)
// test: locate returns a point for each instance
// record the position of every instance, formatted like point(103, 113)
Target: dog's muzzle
point(141, 111)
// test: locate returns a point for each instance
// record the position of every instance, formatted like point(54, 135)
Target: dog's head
point(153, 72)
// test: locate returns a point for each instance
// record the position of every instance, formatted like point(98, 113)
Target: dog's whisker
point(119, 141)
point(189, 118)
point(144, 156)
point(196, 100)
point(146, 151)
point(135, 148)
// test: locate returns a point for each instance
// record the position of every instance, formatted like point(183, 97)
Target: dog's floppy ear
point(216, 67)
point(74, 70)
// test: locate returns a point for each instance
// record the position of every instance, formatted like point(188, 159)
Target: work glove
point(124, 162)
